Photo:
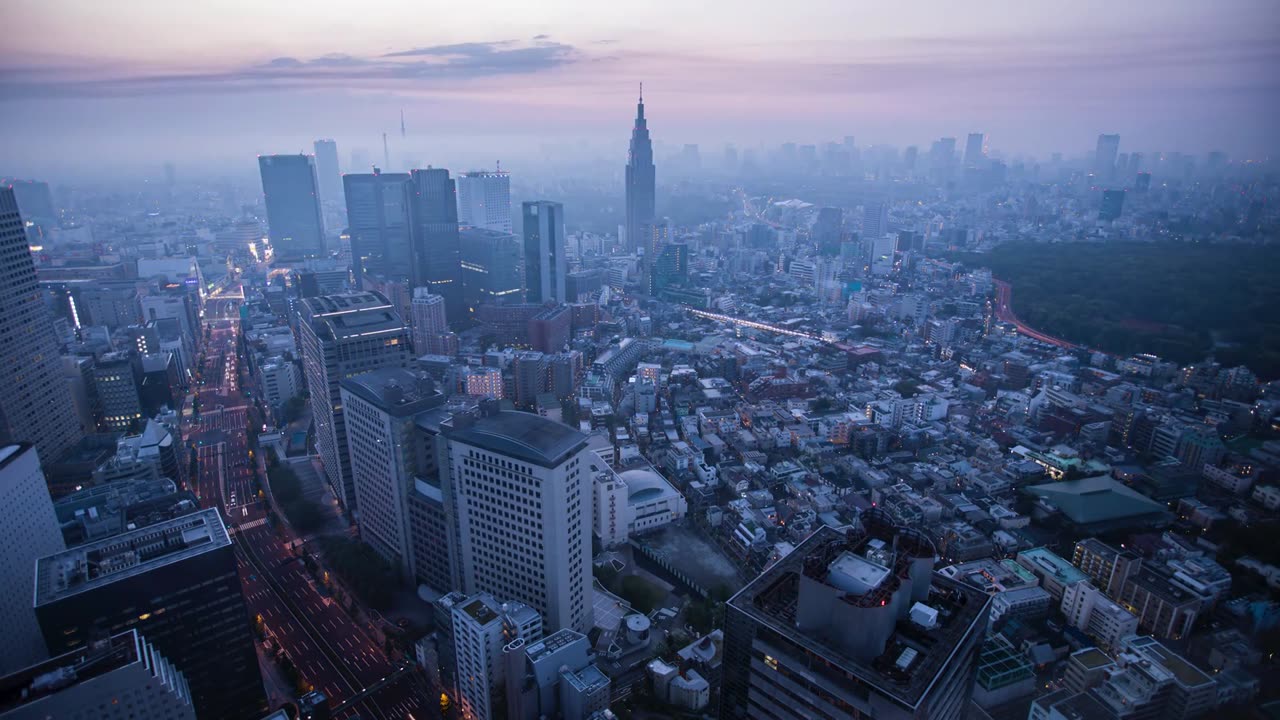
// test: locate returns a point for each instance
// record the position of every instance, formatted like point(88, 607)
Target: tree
point(292, 409)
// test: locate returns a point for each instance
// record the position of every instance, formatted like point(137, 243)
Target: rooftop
point(352, 315)
point(913, 656)
point(1092, 658)
point(396, 391)
point(555, 641)
point(1097, 500)
point(1187, 675)
point(520, 435)
point(128, 554)
point(1052, 564)
point(44, 679)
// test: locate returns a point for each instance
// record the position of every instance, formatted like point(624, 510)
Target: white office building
point(484, 200)
point(381, 408)
point(1087, 609)
point(29, 530)
point(344, 335)
point(483, 629)
point(521, 488)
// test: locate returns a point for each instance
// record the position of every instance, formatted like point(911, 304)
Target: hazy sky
point(86, 81)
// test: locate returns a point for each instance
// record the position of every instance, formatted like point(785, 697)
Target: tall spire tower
point(641, 174)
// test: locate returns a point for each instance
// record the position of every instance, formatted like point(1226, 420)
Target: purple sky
point(148, 80)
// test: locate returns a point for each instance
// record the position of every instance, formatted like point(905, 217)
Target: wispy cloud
point(460, 61)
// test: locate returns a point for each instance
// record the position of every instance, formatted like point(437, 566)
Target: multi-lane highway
point(331, 651)
point(1004, 313)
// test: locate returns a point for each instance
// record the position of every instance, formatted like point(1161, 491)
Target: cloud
point(442, 63)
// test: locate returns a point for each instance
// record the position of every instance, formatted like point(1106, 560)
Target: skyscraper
point(340, 336)
point(29, 530)
point(490, 268)
point(860, 613)
point(380, 407)
point(175, 582)
point(328, 177)
point(545, 265)
point(640, 178)
point(975, 150)
point(378, 221)
point(875, 221)
point(484, 200)
point(429, 321)
point(1104, 156)
point(522, 492)
point(295, 225)
point(436, 250)
point(484, 631)
point(35, 405)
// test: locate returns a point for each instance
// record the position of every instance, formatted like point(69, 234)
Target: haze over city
point(141, 83)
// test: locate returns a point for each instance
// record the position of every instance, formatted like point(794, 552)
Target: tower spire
point(401, 122)
point(642, 91)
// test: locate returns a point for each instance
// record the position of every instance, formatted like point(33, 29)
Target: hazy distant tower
point(292, 195)
point(641, 179)
point(327, 174)
point(1104, 158)
point(975, 150)
point(437, 259)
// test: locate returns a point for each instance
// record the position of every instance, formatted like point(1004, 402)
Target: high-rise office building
point(545, 265)
point(328, 176)
point(853, 624)
point(341, 336)
point(175, 582)
point(430, 322)
point(490, 268)
point(29, 530)
point(975, 150)
point(942, 157)
point(91, 682)
point(35, 405)
point(295, 224)
point(380, 409)
point(875, 220)
point(522, 492)
point(378, 223)
point(641, 178)
point(437, 254)
point(1104, 156)
point(116, 377)
point(484, 200)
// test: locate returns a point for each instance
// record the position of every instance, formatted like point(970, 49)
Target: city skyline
point(1182, 79)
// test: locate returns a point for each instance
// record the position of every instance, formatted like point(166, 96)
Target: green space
point(304, 515)
point(643, 595)
point(1181, 301)
point(363, 571)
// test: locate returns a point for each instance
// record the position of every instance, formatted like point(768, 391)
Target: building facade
point(545, 264)
point(341, 336)
point(523, 501)
point(295, 225)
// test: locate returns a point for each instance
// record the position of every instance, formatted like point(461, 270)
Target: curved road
point(1004, 313)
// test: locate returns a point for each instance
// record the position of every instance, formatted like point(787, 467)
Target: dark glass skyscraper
point(436, 248)
point(35, 404)
point(175, 582)
point(295, 225)
point(544, 261)
point(490, 268)
point(378, 221)
point(641, 178)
